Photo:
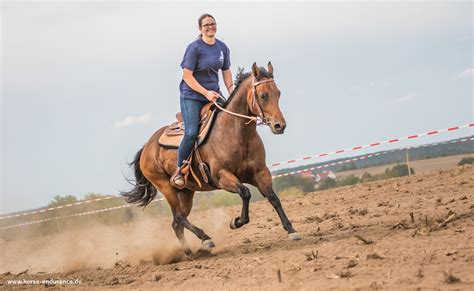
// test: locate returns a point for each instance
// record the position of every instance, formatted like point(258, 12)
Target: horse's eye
point(264, 96)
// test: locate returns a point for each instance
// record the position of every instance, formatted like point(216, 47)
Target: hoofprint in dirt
point(400, 233)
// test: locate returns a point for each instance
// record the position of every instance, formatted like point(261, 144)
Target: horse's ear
point(255, 71)
point(270, 67)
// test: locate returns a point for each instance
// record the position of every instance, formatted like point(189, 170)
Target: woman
point(201, 63)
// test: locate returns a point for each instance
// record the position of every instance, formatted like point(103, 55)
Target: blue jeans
point(190, 110)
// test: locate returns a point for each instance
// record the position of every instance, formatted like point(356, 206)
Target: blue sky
point(85, 84)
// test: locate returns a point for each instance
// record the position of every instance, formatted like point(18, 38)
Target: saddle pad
point(174, 133)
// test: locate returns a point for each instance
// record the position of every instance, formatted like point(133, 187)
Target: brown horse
point(233, 151)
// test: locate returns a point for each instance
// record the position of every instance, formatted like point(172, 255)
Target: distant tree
point(60, 200)
point(399, 170)
point(466, 160)
point(91, 196)
point(349, 180)
point(366, 177)
point(327, 184)
point(347, 167)
point(282, 183)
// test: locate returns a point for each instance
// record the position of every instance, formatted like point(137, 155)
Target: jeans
point(190, 110)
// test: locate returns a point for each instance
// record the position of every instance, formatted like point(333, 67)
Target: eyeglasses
point(209, 25)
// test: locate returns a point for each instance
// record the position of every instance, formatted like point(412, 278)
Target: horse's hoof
point(294, 236)
point(208, 243)
point(188, 254)
point(203, 253)
point(232, 223)
point(187, 258)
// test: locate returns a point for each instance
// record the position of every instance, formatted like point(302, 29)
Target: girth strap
point(202, 166)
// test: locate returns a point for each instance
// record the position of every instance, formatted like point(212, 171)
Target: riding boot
point(177, 180)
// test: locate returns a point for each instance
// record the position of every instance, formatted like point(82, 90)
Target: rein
point(252, 118)
point(260, 119)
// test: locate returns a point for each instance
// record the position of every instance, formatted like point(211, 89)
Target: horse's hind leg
point(186, 199)
point(207, 242)
point(229, 182)
point(181, 203)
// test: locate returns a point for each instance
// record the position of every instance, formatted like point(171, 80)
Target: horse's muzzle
point(278, 127)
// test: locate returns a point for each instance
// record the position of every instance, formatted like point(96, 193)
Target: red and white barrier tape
point(272, 165)
point(438, 143)
point(72, 215)
point(368, 156)
point(281, 175)
point(59, 207)
point(433, 132)
point(328, 165)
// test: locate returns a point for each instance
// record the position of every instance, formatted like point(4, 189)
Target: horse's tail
point(143, 191)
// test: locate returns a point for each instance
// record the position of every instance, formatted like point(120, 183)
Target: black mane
point(242, 76)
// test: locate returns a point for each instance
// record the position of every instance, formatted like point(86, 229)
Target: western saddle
point(173, 135)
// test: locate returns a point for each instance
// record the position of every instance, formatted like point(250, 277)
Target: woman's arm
point(194, 84)
point(227, 75)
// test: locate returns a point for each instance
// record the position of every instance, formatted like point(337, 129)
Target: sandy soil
point(405, 233)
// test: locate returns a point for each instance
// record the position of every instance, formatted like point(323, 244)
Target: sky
point(85, 84)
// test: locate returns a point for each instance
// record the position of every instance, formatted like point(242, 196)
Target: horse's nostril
point(277, 126)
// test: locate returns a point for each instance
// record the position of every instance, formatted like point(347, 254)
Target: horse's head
point(264, 97)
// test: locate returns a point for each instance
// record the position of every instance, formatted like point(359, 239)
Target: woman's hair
point(201, 18)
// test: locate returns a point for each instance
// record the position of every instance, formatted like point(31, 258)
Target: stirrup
point(175, 177)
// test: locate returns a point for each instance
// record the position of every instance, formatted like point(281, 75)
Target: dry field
point(420, 166)
point(405, 233)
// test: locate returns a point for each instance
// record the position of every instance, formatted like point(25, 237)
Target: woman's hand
point(212, 96)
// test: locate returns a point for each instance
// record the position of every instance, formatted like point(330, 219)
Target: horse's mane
point(242, 76)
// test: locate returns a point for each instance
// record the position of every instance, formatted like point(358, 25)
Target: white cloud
point(404, 98)
point(469, 72)
point(133, 120)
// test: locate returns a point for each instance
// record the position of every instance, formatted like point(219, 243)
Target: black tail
point(143, 191)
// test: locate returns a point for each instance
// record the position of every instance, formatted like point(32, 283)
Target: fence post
point(408, 163)
point(59, 226)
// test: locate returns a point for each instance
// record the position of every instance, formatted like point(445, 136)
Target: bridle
point(263, 119)
point(260, 118)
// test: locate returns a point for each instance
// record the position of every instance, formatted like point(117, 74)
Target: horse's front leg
point(231, 183)
point(263, 181)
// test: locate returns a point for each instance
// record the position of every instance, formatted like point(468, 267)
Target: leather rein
point(260, 119)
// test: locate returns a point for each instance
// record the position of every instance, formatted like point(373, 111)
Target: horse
point(233, 151)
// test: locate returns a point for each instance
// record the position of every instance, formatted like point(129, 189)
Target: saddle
point(174, 133)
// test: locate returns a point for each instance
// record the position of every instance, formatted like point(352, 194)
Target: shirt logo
point(221, 58)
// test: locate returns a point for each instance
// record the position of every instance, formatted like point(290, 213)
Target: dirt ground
point(405, 233)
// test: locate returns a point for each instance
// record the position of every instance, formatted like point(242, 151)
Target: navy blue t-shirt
point(205, 61)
